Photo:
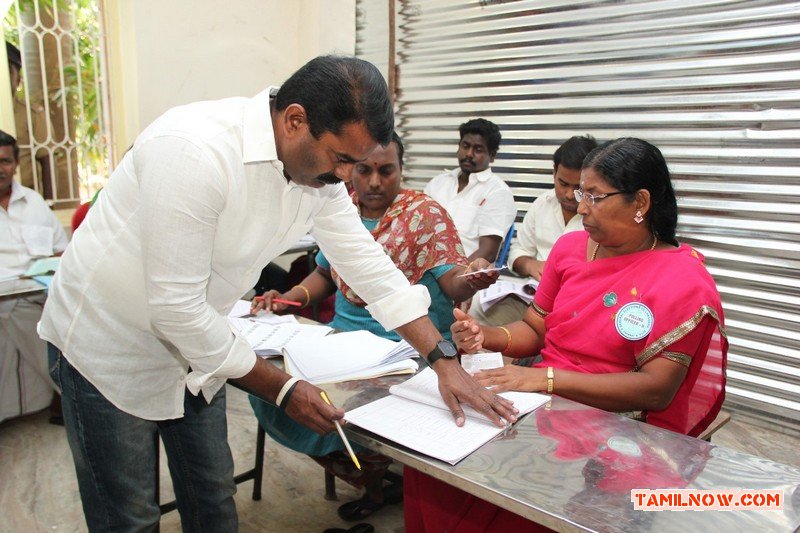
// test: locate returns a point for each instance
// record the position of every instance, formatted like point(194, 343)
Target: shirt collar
point(17, 192)
point(258, 137)
point(481, 176)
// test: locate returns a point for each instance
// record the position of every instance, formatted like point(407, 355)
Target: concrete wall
point(162, 54)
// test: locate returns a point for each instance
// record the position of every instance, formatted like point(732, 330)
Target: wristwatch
point(444, 349)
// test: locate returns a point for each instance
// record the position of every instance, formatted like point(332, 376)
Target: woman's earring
point(638, 218)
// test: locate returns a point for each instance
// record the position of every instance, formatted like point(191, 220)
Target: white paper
point(269, 339)
point(339, 356)
point(417, 424)
point(481, 361)
point(406, 366)
point(490, 269)
point(240, 308)
point(502, 288)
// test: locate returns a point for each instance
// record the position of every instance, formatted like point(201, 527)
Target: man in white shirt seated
point(208, 195)
point(479, 201)
point(551, 215)
point(28, 231)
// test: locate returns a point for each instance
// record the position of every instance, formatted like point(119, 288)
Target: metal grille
point(61, 119)
point(714, 84)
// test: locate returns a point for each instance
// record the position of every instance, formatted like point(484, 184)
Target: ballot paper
point(481, 271)
point(415, 415)
point(267, 340)
point(481, 361)
point(241, 309)
point(347, 356)
point(524, 289)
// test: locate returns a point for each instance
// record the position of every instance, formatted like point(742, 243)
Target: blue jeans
point(115, 459)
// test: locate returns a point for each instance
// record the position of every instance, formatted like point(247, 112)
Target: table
point(17, 288)
point(558, 467)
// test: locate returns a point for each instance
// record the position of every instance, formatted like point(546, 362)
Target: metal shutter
point(714, 84)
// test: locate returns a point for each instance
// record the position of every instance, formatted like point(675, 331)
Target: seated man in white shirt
point(28, 231)
point(479, 201)
point(551, 215)
point(208, 195)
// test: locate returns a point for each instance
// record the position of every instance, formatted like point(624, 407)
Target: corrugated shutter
point(714, 84)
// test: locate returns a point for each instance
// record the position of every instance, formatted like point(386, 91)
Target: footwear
point(363, 507)
point(358, 528)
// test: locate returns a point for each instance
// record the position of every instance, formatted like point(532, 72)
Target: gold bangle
point(550, 377)
point(508, 337)
point(308, 294)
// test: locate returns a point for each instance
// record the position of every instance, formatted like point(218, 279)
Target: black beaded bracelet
point(285, 399)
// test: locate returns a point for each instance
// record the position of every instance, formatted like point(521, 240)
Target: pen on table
point(281, 301)
point(341, 432)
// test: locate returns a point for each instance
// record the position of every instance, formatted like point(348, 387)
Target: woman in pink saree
point(625, 319)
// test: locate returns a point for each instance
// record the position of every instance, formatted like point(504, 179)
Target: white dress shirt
point(540, 229)
point(484, 207)
point(182, 230)
point(28, 231)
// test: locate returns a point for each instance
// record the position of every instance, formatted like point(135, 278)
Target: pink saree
point(619, 313)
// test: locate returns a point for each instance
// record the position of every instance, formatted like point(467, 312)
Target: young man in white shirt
point(208, 195)
point(479, 202)
point(551, 215)
point(28, 231)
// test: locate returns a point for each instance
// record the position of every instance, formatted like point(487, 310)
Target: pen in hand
point(281, 301)
point(341, 433)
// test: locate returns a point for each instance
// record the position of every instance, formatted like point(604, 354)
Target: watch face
point(447, 348)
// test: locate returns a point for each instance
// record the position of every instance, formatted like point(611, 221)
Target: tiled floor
point(38, 491)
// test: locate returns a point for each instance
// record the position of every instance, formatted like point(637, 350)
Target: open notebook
point(415, 416)
point(347, 356)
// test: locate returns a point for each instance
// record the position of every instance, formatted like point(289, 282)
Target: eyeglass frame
point(592, 199)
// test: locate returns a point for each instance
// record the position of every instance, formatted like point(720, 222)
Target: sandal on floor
point(358, 528)
point(358, 509)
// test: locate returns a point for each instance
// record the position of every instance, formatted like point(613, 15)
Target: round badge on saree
point(634, 321)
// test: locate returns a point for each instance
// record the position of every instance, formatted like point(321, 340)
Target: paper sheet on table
point(502, 288)
point(481, 361)
point(406, 366)
point(267, 340)
point(420, 420)
point(241, 309)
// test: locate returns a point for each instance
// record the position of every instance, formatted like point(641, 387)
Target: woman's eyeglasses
point(592, 199)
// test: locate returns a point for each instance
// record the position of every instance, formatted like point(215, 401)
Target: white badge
point(634, 321)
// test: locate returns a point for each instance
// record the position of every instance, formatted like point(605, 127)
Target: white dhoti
point(25, 385)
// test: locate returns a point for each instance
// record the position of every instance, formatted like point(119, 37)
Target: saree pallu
point(417, 233)
point(619, 313)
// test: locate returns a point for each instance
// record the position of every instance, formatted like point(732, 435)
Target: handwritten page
point(269, 339)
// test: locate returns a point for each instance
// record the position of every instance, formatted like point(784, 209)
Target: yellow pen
point(341, 432)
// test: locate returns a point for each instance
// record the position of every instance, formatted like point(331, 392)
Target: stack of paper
point(267, 340)
point(524, 289)
point(347, 356)
point(414, 415)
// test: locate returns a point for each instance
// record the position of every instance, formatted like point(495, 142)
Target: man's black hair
point(340, 90)
point(8, 140)
point(401, 150)
point(574, 150)
point(486, 129)
point(14, 56)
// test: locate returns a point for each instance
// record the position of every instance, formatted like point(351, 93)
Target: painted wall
point(163, 54)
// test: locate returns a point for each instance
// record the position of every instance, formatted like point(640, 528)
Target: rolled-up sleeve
point(363, 264)
point(183, 192)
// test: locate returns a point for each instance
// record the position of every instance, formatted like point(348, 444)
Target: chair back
point(505, 246)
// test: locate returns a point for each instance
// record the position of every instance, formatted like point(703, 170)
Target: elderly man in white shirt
point(551, 215)
point(208, 195)
point(28, 231)
point(479, 201)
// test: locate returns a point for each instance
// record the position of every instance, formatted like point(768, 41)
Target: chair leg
point(258, 475)
point(330, 486)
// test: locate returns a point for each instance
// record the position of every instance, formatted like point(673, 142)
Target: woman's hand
point(513, 377)
point(480, 281)
point(265, 302)
point(467, 334)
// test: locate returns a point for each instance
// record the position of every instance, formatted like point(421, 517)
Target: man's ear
point(294, 120)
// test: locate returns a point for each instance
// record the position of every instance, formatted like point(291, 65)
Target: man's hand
point(481, 280)
point(307, 407)
point(457, 387)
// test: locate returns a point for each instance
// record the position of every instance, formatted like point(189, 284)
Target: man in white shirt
point(479, 202)
point(551, 215)
point(208, 195)
point(28, 231)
